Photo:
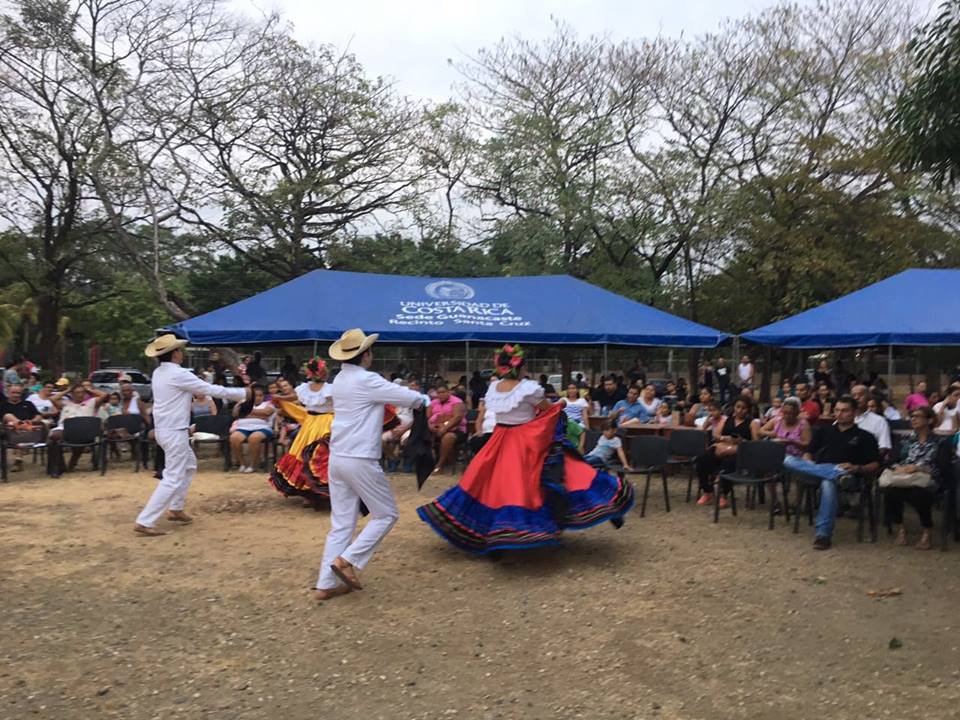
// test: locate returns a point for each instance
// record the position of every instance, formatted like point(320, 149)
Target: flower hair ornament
point(316, 369)
point(508, 361)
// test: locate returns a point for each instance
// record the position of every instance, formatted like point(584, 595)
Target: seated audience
point(919, 461)
point(83, 400)
point(789, 428)
point(630, 412)
point(253, 430)
point(549, 391)
point(664, 415)
point(946, 411)
point(835, 451)
point(669, 396)
point(721, 456)
point(448, 423)
point(825, 400)
point(607, 448)
point(697, 414)
point(877, 404)
point(18, 414)
point(576, 407)
point(917, 398)
point(874, 424)
point(649, 400)
point(43, 401)
point(608, 394)
point(772, 412)
point(133, 404)
point(785, 390)
point(809, 407)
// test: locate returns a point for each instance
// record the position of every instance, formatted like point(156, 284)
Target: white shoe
point(246, 469)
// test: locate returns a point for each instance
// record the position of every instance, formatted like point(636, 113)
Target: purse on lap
point(920, 479)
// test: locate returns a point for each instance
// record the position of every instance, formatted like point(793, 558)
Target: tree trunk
point(48, 323)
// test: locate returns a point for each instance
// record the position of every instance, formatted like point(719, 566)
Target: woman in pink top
point(918, 398)
point(789, 428)
point(448, 423)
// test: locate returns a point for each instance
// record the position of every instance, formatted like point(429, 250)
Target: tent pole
point(890, 371)
point(466, 361)
point(606, 367)
point(670, 363)
point(314, 348)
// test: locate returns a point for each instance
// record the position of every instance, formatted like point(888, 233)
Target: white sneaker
point(246, 469)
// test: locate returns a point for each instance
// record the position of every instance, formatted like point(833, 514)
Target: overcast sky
point(411, 40)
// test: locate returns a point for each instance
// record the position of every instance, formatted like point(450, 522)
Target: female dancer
point(303, 469)
point(528, 483)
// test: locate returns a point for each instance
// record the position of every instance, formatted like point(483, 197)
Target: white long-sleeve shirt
point(173, 391)
point(359, 396)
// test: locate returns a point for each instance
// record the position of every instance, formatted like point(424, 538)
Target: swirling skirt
point(303, 468)
point(524, 488)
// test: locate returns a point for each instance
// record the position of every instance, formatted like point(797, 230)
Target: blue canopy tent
point(554, 309)
point(915, 307)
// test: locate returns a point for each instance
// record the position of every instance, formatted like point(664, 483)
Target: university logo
point(449, 290)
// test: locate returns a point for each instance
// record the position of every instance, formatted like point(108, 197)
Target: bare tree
point(299, 151)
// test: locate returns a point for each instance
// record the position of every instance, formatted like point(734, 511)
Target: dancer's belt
point(313, 412)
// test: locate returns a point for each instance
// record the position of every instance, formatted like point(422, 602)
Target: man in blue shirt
point(630, 409)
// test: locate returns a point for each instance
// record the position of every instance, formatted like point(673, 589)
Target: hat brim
point(152, 350)
point(337, 352)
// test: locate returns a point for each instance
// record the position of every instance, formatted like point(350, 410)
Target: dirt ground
point(670, 617)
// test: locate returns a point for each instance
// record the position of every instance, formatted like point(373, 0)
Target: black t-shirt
point(731, 429)
point(23, 410)
point(831, 445)
point(608, 400)
point(723, 375)
point(636, 374)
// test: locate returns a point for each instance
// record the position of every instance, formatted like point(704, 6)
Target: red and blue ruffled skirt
point(523, 489)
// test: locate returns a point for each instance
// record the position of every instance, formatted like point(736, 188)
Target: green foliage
point(397, 255)
point(927, 115)
point(122, 324)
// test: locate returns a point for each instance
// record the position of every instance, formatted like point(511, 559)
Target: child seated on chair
point(608, 446)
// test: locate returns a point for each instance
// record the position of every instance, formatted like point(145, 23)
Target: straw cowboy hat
point(352, 343)
point(163, 345)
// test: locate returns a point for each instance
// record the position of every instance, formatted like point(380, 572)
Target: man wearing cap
point(355, 474)
point(173, 390)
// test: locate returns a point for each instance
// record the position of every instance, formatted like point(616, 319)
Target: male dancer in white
point(355, 473)
point(173, 390)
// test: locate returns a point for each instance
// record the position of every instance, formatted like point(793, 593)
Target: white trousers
point(181, 464)
point(352, 480)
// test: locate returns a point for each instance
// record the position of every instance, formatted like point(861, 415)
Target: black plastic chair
point(11, 440)
point(590, 440)
point(78, 433)
point(948, 500)
point(759, 464)
point(649, 454)
point(120, 429)
point(685, 446)
point(865, 488)
point(218, 425)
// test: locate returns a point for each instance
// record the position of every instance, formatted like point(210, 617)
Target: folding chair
point(590, 441)
point(78, 433)
point(759, 463)
point(121, 429)
point(685, 447)
point(19, 440)
point(808, 489)
point(649, 454)
point(218, 425)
